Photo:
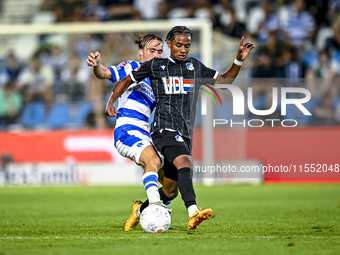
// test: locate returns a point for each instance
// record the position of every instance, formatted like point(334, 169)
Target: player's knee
point(171, 192)
point(154, 162)
point(183, 161)
point(171, 189)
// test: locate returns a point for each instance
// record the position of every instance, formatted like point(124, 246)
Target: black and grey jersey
point(175, 86)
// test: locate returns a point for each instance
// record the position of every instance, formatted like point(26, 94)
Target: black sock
point(186, 187)
point(163, 197)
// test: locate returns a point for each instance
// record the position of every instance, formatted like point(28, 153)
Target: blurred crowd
point(295, 39)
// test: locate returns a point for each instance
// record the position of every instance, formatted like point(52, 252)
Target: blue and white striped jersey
point(135, 105)
point(299, 26)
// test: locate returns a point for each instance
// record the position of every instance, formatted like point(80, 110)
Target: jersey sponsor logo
point(179, 138)
point(140, 144)
point(147, 90)
point(163, 67)
point(177, 85)
point(190, 66)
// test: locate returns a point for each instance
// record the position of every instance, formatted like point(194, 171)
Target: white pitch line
point(164, 235)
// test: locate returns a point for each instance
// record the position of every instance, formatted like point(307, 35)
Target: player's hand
point(110, 109)
point(93, 59)
point(244, 49)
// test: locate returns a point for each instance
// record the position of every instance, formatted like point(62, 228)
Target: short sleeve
point(207, 74)
point(122, 70)
point(143, 72)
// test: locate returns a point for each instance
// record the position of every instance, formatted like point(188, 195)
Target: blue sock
point(163, 197)
point(151, 186)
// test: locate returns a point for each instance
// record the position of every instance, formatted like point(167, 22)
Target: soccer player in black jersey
point(175, 82)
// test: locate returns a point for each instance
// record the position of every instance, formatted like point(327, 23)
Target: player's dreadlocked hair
point(178, 30)
point(143, 40)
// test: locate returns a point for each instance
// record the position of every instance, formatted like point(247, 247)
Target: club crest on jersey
point(190, 66)
point(179, 138)
point(177, 85)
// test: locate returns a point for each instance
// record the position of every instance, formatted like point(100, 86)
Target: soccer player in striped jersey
point(131, 136)
point(175, 82)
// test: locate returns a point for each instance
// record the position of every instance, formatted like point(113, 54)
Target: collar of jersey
point(172, 60)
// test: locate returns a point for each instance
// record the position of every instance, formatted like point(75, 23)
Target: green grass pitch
point(266, 219)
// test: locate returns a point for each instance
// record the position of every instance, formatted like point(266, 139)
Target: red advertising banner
point(60, 146)
point(305, 150)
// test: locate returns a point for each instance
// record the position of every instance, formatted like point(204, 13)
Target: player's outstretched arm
point(100, 71)
point(242, 54)
point(117, 92)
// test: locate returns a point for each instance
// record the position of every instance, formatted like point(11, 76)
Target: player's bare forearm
point(101, 72)
point(242, 54)
point(119, 89)
point(232, 73)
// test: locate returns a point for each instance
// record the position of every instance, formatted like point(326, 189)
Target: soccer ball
point(155, 219)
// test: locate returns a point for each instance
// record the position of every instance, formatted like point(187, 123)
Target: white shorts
point(132, 144)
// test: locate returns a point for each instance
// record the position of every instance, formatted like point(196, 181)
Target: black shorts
point(171, 145)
